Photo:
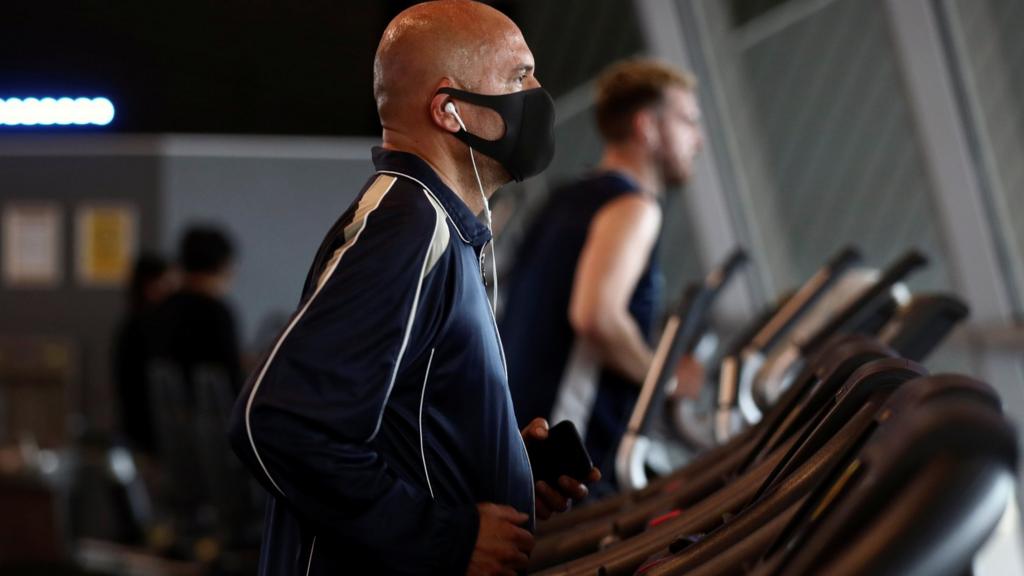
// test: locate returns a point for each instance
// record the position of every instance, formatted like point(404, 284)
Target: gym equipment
point(920, 497)
point(788, 473)
point(865, 314)
point(681, 333)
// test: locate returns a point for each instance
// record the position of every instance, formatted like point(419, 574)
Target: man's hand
point(502, 547)
point(550, 499)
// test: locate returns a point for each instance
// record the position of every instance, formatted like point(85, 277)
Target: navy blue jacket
point(381, 416)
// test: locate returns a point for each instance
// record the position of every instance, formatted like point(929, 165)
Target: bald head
point(462, 41)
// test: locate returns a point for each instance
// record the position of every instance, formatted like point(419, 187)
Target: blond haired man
point(586, 285)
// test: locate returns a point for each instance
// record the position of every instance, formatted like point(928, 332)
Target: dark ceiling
point(259, 66)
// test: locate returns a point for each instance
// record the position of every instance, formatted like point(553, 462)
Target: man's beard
point(675, 176)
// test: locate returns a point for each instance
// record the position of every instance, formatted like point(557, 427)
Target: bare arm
point(616, 252)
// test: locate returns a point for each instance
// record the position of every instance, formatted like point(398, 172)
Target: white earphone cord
point(487, 209)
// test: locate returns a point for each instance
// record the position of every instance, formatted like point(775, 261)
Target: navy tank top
point(535, 328)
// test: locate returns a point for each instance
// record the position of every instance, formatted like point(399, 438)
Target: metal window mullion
point(981, 144)
point(758, 225)
point(953, 177)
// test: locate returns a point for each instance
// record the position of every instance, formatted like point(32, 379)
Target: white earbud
point(451, 109)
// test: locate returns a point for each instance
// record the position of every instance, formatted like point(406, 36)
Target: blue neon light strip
point(56, 111)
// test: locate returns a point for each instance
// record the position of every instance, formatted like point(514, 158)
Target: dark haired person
point(150, 283)
point(193, 328)
point(586, 288)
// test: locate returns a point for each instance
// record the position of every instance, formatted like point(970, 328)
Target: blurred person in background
point(194, 328)
point(193, 374)
point(586, 287)
point(152, 280)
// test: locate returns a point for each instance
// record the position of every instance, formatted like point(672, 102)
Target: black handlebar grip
point(847, 256)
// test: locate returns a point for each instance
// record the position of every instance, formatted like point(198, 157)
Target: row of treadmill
point(823, 446)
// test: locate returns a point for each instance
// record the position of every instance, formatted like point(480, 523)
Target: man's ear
point(645, 128)
point(441, 117)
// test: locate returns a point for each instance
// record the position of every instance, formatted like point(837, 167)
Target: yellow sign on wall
point(106, 243)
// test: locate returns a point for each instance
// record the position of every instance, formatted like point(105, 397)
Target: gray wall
point(276, 210)
point(989, 47)
point(86, 316)
point(276, 196)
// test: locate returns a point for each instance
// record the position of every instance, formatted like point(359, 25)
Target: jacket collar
point(470, 228)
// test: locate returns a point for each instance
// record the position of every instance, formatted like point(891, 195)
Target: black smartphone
point(561, 454)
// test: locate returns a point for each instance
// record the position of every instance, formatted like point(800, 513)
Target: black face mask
point(528, 144)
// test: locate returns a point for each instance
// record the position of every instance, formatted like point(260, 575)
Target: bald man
point(380, 420)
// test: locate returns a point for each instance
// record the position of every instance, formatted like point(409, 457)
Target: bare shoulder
point(631, 212)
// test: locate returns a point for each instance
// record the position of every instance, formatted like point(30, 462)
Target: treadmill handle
point(868, 302)
point(681, 329)
point(721, 275)
point(801, 302)
point(847, 256)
